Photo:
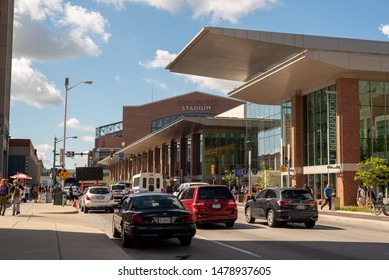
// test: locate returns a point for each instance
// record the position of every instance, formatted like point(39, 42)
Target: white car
point(97, 198)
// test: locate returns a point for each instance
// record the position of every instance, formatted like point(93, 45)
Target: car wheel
point(111, 210)
point(309, 224)
point(86, 210)
point(126, 241)
point(115, 232)
point(271, 219)
point(185, 241)
point(230, 224)
point(249, 217)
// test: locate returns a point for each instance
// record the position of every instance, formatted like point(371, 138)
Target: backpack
point(3, 190)
point(17, 191)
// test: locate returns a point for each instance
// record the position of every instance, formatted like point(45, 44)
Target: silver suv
point(118, 191)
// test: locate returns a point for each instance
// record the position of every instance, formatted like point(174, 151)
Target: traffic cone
point(74, 203)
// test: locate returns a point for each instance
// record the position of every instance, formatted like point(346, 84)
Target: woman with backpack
point(16, 193)
point(4, 191)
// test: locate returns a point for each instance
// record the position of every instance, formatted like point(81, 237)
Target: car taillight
point(231, 204)
point(312, 202)
point(87, 197)
point(136, 219)
point(198, 205)
point(189, 218)
point(284, 202)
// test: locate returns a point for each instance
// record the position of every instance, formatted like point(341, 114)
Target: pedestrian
point(27, 192)
point(71, 196)
point(308, 188)
point(35, 192)
point(327, 197)
point(4, 193)
point(16, 191)
point(360, 196)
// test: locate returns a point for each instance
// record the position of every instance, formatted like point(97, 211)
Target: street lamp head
point(88, 82)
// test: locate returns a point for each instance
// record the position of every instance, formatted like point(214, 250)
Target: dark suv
point(210, 204)
point(280, 205)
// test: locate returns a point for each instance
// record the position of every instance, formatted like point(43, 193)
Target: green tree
point(373, 172)
point(229, 177)
point(265, 178)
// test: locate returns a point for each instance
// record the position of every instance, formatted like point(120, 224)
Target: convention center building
point(333, 93)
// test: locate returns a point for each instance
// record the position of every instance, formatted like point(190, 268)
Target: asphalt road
point(331, 239)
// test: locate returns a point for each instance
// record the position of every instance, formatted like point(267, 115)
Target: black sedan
point(153, 215)
point(282, 205)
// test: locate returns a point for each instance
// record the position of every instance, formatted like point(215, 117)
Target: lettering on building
point(197, 104)
point(332, 126)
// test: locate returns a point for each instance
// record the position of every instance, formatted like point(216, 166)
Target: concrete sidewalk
point(43, 231)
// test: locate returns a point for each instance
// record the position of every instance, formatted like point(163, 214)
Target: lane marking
point(229, 246)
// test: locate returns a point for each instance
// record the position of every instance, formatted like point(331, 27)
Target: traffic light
point(212, 169)
point(181, 172)
point(111, 156)
point(72, 154)
point(90, 155)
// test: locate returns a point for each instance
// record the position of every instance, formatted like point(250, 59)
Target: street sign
point(283, 168)
point(254, 171)
point(244, 171)
point(64, 174)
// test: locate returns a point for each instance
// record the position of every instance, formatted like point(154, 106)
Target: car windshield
point(296, 194)
point(214, 192)
point(156, 202)
point(118, 187)
point(98, 190)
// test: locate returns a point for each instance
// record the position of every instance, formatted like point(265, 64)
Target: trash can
point(335, 203)
point(64, 198)
point(59, 196)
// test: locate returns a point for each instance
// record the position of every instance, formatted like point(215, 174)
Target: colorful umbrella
point(21, 176)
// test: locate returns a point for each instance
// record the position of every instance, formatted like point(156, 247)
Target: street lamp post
point(57, 140)
point(67, 88)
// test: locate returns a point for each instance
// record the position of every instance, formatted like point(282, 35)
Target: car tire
point(249, 217)
point(309, 224)
point(126, 241)
point(271, 219)
point(86, 210)
point(111, 210)
point(115, 232)
point(185, 241)
point(230, 224)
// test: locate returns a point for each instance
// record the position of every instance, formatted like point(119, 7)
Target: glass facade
point(224, 149)
point(374, 119)
point(263, 135)
point(319, 127)
point(162, 122)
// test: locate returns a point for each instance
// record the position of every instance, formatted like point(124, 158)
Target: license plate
point(300, 207)
point(216, 206)
point(99, 197)
point(164, 220)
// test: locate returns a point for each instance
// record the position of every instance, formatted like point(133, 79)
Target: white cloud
point(216, 10)
point(45, 153)
point(168, 5)
point(205, 84)
point(161, 60)
point(89, 139)
point(75, 124)
point(384, 28)
point(228, 10)
point(155, 82)
point(31, 86)
point(40, 27)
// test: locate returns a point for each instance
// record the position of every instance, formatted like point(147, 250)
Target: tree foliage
point(265, 178)
point(229, 177)
point(373, 172)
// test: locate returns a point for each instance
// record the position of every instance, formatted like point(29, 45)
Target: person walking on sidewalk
point(16, 191)
point(327, 196)
point(4, 192)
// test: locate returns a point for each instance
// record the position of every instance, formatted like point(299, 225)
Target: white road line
point(229, 246)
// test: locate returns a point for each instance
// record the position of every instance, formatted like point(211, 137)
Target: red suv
point(210, 204)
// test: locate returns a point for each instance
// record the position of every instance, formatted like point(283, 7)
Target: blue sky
point(123, 46)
